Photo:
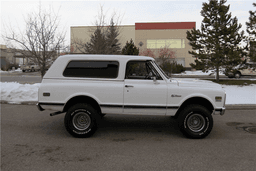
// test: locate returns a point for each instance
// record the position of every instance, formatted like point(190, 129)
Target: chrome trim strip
point(139, 106)
point(54, 104)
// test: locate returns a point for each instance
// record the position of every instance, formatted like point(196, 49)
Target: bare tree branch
point(41, 38)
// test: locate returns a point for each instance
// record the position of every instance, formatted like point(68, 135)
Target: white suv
point(247, 69)
point(86, 87)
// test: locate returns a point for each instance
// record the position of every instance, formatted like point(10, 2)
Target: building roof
point(165, 25)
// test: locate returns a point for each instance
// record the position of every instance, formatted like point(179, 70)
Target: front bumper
point(219, 111)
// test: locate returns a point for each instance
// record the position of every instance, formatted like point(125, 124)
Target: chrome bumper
point(219, 111)
point(39, 107)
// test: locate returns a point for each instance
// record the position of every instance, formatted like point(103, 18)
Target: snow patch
point(17, 70)
point(199, 72)
point(240, 94)
point(15, 92)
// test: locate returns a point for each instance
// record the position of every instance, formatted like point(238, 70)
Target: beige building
point(81, 34)
point(13, 56)
point(153, 36)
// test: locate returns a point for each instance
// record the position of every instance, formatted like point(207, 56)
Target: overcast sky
point(83, 13)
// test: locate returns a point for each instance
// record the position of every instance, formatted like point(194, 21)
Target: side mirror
point(154, 79)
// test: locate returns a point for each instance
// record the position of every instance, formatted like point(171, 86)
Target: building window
point(92, 69)
point(169, 43)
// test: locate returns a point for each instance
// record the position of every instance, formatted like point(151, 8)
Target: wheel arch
point(195, 100)
point(239, 72)
point(82, 99)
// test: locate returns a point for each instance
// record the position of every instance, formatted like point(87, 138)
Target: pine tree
point(251, 30)
point(130, 49)
point(217, 43)
point(97, 44)
point(104, 40)
point(113, 45)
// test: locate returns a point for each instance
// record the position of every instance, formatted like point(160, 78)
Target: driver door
point(145, 91)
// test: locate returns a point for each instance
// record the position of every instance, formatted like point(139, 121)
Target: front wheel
point(237, 75)
point(81, 120)
point(195, 121)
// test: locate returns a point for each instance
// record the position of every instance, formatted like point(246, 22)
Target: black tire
point(102, 115)
point(81, 120)
point(195, 121)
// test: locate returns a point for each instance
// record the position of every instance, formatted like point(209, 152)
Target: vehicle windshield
point(161, 70)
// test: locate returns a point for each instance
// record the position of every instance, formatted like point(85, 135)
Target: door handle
point(128, 86)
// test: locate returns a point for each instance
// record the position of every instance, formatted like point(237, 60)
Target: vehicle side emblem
point(175, 95)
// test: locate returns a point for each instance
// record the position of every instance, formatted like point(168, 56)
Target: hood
point(183, 82)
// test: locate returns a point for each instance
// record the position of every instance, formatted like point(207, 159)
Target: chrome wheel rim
point(81, 121)
point(237, 75)
point(196, 122)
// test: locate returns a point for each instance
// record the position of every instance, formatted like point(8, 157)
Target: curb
point(228, 107)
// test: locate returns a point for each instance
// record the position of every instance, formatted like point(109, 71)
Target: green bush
point(172, 68)
point(130, 49)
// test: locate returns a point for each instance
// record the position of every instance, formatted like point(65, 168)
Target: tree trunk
point(217, 73)
point(43, 70)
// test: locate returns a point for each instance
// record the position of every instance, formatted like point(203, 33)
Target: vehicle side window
point(252, 65)
point(92, 69)
point(141, 70)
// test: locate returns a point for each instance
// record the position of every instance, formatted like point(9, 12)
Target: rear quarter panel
point(104, 91)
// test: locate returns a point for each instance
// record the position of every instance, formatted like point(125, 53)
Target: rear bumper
point(39, 107)
point(50, 106)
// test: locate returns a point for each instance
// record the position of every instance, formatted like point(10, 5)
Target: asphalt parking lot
point(32, 140)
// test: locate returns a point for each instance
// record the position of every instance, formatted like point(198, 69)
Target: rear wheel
point(195, 121)
point(81, 120)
